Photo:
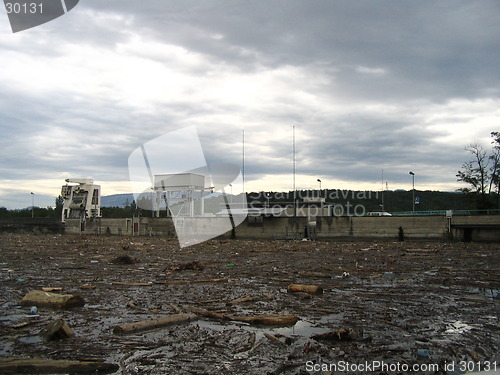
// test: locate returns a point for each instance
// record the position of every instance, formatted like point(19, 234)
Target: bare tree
point(495, 165)
point(482, 173)
point(475, 172)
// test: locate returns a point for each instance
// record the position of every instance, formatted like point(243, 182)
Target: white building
point(82, 199)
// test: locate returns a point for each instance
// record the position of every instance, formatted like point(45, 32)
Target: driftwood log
point(153, 323)
point(312, 289)
point(265, 320)
point(49, 366)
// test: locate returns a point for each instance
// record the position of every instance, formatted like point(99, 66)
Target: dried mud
point(400, 302)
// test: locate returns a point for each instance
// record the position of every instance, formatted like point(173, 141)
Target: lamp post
point(413, 191)
point(319, 186)
point(32, 205)
point(231, 186)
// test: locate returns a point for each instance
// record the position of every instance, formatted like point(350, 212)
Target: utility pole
point(413, 190)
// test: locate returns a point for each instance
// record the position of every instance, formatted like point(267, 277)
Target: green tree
point(59, 205)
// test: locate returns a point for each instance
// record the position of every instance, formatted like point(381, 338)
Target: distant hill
point(117, 200)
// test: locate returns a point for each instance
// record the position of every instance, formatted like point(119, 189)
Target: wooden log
point(127, 283)
point(50, 366)
point(241, 300)
point(58, 329)
point(274, 338)
point(153, 323)
point(209, 314)
point(59, 301)
point(312, 289)
point(276, 320)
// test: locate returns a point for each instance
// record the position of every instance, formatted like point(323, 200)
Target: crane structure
point(82, 199)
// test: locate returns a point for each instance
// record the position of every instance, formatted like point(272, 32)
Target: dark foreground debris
point(396, 302)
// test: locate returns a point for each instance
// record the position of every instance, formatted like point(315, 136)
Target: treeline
point(393, 201)
point(38, 212)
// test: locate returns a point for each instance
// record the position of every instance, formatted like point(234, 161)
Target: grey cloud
point(354, 56)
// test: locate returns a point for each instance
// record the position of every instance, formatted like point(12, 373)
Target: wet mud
point(389, 303)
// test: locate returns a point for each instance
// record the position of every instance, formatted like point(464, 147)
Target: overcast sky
point(368, 85)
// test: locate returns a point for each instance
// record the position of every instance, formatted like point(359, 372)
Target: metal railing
point(443, 213)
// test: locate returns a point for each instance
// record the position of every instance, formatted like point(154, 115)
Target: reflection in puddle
point(458, 327)
point(30, 340)
point(302, 328)
point(5, 348)
point(487, 292)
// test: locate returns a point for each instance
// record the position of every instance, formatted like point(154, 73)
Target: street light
point(413, 190)
point(32, 205)
point(319, 186)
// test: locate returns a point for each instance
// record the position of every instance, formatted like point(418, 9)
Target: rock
point(54, 300)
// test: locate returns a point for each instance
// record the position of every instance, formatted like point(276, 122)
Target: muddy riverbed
point(389, 306)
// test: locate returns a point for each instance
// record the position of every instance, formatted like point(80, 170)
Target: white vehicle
point(379, 213)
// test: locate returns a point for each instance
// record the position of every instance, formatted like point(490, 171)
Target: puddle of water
point(30, 340)
point(458, 327)
point(5, 348)
point(15, 318)
point(492, 293)
point(302, 328)
point(488, 293)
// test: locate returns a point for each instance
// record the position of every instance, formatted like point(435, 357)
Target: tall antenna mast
point(382, 189)
point(243, 166)
point(294, 188)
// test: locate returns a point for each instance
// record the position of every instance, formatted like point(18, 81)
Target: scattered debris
point(196, 281)
point(195, 266)
point(338, 335)
point(124, 259)
point(423, 353)
point(52, 289)
point(128, 283)
point(58, 301)
point(312, 289)
point(314, 274)
point(87, 286)
point(58, 329)
point(132, 305)
point(437, 301)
